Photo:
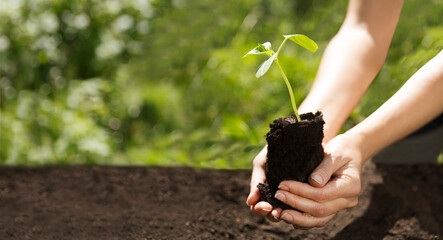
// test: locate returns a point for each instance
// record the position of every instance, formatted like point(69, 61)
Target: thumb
point(321, 175)
point(258, 176)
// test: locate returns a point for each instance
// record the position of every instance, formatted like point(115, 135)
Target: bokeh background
point(163, 82)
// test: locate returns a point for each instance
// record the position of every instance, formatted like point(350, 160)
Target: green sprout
point(265, 48)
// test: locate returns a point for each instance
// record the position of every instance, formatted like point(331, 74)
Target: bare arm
point(419, 101)
point(352, 60)
point(349, 64)
point(337, 179)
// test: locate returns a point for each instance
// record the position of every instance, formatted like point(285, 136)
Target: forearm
point(416, 103)
point(348, 66)
point(351, 61)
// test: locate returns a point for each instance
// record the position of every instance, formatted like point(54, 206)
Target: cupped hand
point(260, 208)
point(334, 185)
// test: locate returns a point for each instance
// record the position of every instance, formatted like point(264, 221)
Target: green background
point(163, 82)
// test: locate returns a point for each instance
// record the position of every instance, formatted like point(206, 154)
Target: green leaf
point(303, 41)
point(265, 66)
point(266, 45)
point(260, 49)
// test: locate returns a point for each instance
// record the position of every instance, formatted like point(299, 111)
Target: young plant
point(265, 49)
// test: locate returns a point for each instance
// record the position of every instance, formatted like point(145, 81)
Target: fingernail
point(247, 203)
point(286, 217)
point(274, 215)
point(317, 178)
point(283, 187)
point(280, 196)
point(266, 210)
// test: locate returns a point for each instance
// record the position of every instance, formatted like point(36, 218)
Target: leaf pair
point(265, 48)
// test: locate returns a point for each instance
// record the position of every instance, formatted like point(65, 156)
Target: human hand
point(260, 208)
point(334, 185)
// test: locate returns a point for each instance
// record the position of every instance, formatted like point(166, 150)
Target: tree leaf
point(303, 41)
point(260, 49)
point(265, 66)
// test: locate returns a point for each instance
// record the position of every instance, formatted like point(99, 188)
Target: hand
point(318, 202)
point(263, 209)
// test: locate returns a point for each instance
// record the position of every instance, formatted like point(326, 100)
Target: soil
point(294, 151)
point(81, 202)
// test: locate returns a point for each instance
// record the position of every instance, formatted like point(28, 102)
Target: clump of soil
point(294, 151)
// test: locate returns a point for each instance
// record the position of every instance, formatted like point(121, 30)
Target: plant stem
point(289, 89)
point(279, 48)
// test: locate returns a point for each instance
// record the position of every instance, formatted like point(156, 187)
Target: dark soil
point(397, 202)
point(294, 151)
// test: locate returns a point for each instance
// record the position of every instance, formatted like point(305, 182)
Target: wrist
point(358, 140)
point(345, 148)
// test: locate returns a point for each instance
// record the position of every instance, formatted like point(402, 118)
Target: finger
point(304, 220)
point(261, 209)
point(323, 172)
point(307, 191)
point(344, 186)
point(314, 208)
point(253, 197)
point(272, 218)
point(275, 214)
point(258, 176)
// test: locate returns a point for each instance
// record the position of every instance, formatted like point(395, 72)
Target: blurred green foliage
point(162, 82)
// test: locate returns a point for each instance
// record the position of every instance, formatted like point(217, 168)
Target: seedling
point(265, 49)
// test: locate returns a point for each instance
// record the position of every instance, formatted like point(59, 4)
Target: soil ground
point(79, 202)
